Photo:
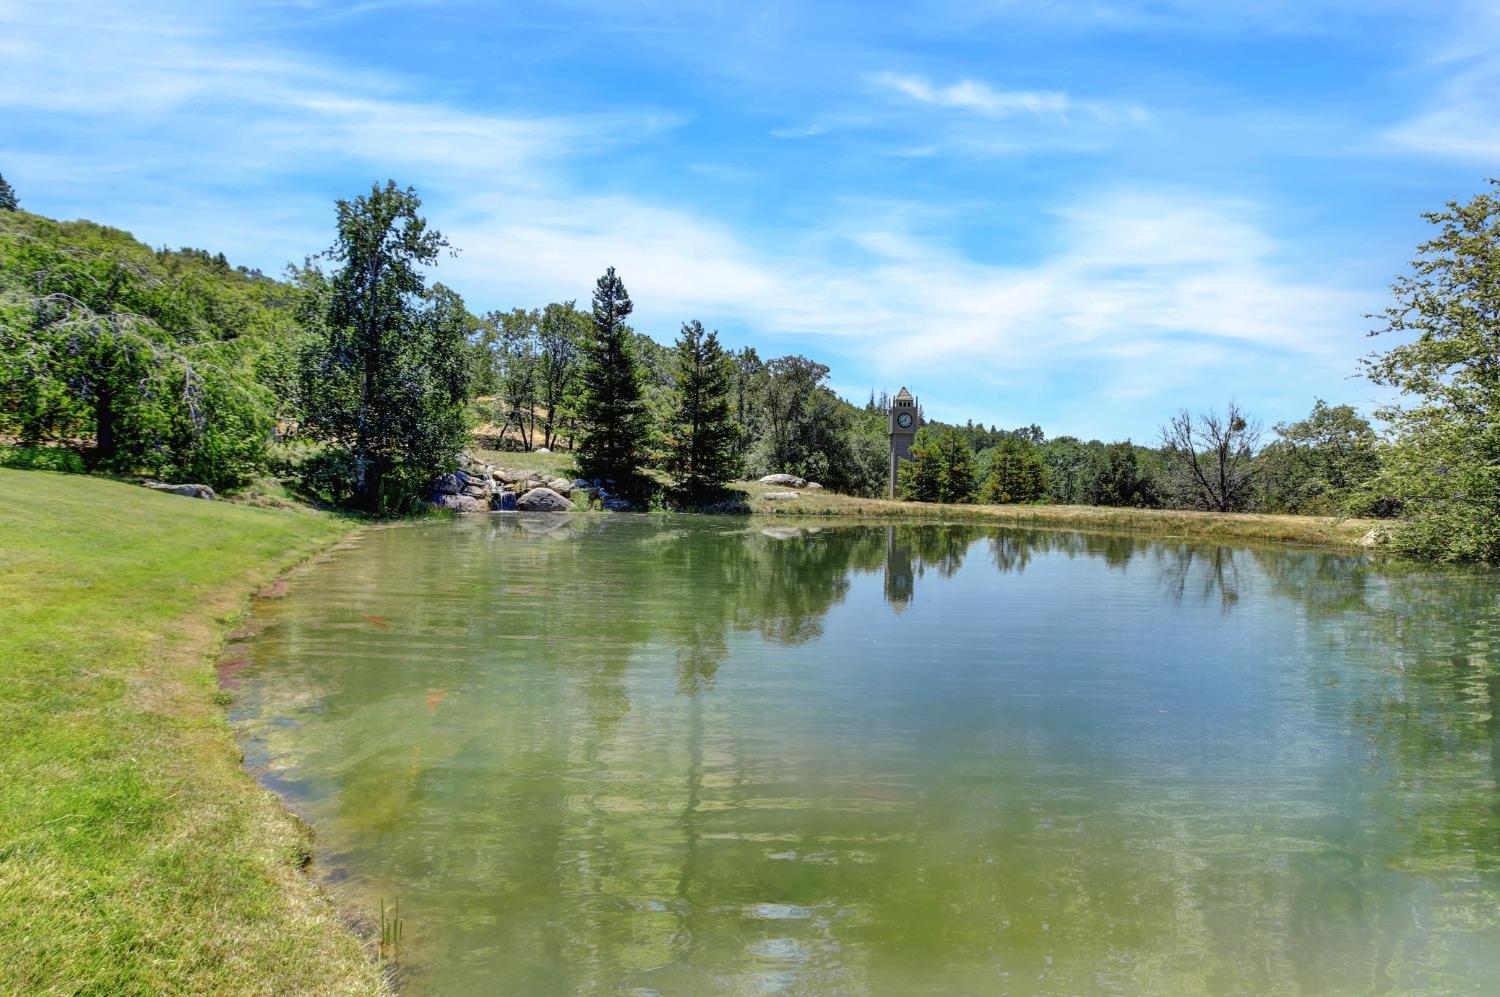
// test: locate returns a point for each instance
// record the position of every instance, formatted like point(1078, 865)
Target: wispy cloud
point(979, 97)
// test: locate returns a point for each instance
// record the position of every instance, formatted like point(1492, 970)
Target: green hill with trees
point(357, 380)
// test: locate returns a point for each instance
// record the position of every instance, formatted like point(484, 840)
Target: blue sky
point(1081, 214)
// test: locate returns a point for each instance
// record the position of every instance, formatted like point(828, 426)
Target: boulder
point(476, 491)
point(448, 484)
point(781, 496)
point(510, 477)
point(560, 485)
point(580, 483)
point(541, 450)
point(543, 499)
point(190, 491)
point(457, 503)
point(504, 502)
point(813, 486)
point(616, 505)
point(1376, 536)
point(784, 480)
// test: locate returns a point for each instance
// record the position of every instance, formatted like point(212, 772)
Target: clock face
point(904, 420)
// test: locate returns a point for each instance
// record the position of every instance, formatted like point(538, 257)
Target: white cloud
point(979, 97)
point(1462, 122)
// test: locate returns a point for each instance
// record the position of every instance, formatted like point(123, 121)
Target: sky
point(1085, 214)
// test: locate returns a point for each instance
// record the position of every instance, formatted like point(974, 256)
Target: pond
point(644, 754)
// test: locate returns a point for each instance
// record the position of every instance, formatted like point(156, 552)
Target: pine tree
point(611, 410)
point(703, 436)
point(8, 201)
point(941, 468)
point(1017, 474)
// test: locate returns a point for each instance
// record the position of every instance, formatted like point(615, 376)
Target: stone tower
point(906, 419)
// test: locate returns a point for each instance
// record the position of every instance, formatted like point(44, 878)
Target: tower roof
point(903, 394)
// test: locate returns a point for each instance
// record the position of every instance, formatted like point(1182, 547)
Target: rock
point(616, 505)
point(781, 496)
point(580, 483)
point(785, 480)
point(1377, 536)
point(525, 485)
point(813, 486)
point(458, 503)
point(510, 477)
point(504, 502)
point(560, 485)
point(448, 484)
point(541, 450)
point(543, 499)
point(476, 491)
point(190, 491)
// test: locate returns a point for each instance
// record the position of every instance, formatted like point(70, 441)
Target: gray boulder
point(457, 503)
point(560, 485)
point(616, 505)
point(784, 480)
point(448, 484)
point(504, 502)
point(813, 486)
point(781, 496)
point(543, 499)
point(190, 491)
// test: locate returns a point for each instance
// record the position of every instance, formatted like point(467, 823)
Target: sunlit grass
point(136, 855)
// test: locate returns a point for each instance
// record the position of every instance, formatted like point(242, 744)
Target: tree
point(1116, 478)
point(1445, 465)
point(560, 334)
point(516, 353)
point(386, 384)
point(1210, 459)
point(1070, 465)
point(702, 433)
point(941, 468)
point(1017, 473)
point(1322, 464)
point(8, 201)
point(611, 412)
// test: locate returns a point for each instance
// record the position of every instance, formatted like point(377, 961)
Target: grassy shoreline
point(136, 854)
point(1323, 531)
point(1326, 531)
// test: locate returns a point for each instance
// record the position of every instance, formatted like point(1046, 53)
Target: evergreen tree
point(1115, 478)
point(941, 468)
point(8, 201)
point(387, 384)
point(611, 410)
point(702, 438)
point(1017, 473)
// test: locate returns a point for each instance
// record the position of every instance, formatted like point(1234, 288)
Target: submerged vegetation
point(360, 385)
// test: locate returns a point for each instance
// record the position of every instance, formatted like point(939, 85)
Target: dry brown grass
point(1320, 530)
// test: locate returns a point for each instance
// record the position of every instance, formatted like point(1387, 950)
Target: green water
point(682, 756)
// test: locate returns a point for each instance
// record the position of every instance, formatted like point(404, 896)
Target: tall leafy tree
point(385, 386)
point(1445, 466)
point(517, 357)
point(8, 201)
point(1017, 473)
point(561, 331)
point(702, 436)
point(1322, 464)
point(611, 410)
point(941, 468)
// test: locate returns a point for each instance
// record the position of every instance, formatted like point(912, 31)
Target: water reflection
point(669, 755)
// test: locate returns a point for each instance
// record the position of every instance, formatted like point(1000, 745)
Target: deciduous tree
point(1210, 459)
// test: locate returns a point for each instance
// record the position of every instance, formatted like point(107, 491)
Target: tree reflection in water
point(592, 753)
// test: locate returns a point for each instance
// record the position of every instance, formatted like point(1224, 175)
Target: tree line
point(360, 379)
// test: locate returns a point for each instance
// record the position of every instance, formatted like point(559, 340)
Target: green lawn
point(136, 856)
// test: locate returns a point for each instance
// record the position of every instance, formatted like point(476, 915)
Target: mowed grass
point(136, 855)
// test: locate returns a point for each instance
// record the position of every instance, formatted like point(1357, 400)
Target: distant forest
point(355, 378)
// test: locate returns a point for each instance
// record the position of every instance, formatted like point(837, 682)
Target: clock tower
point(906, 419)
